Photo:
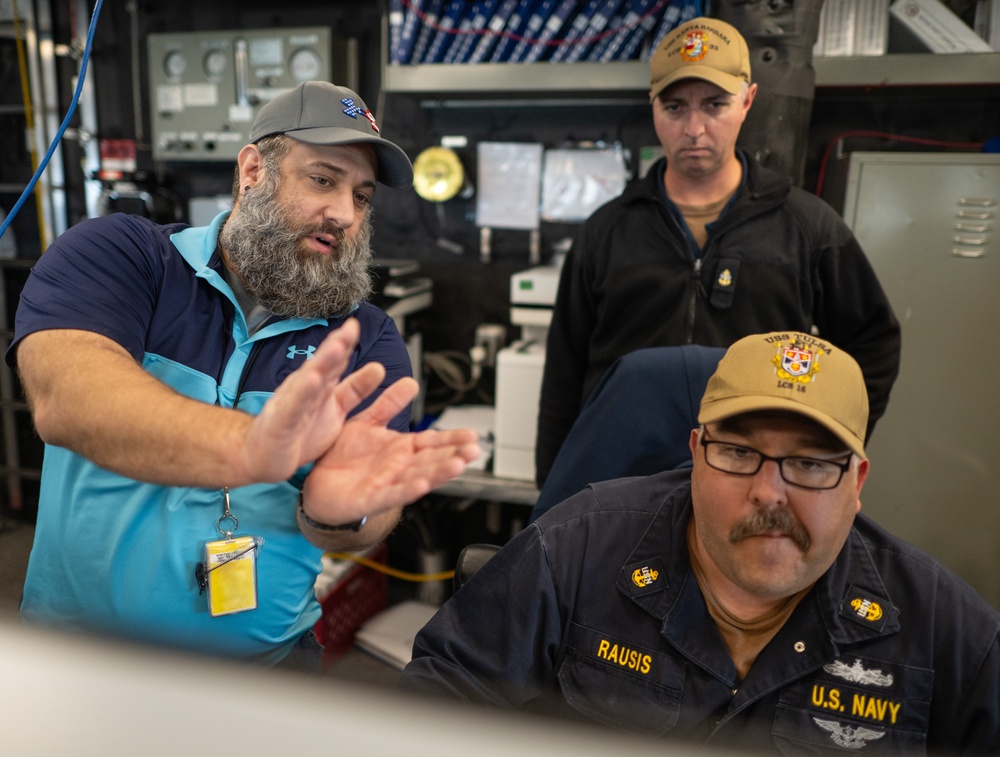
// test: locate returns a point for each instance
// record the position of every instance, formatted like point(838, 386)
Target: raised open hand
point(371, 468)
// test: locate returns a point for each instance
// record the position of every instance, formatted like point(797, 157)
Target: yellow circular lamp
point(438, 174)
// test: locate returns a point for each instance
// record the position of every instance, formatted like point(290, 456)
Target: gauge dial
point(175, 64)
point(305, 64)
point(215, 63)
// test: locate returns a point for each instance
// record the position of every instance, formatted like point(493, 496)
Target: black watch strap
point(355, 526)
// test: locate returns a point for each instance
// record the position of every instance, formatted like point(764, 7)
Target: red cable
point(884, 135)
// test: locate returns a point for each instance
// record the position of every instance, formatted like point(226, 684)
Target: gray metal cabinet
point(930, 224)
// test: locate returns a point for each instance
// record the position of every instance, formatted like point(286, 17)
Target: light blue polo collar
point(197, 245)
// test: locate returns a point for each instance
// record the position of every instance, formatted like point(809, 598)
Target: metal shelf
point(630, 78)
point(523, 78)
point(910, 69)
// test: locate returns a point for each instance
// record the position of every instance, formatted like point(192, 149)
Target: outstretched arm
point(87, 394)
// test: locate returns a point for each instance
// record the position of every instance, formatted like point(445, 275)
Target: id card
point(231, 572)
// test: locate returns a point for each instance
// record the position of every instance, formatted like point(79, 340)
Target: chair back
point(470, 559)
point(636, 422)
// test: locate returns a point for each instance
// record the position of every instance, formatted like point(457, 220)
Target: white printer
point(519, 372)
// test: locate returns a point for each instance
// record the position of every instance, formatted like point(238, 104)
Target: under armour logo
point(354, 111)
point(293, 351)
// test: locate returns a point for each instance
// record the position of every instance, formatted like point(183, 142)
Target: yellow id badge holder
point(229, 569)
point(231, 573)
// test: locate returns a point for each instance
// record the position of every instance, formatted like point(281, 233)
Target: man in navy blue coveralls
point(744, 603)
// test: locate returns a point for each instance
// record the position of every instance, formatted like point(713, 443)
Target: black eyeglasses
point(807, 472)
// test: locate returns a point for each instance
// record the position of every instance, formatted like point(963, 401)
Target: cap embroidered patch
point(695, 46)
point(796, 363)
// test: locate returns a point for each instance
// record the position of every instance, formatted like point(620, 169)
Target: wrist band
point(355, 526)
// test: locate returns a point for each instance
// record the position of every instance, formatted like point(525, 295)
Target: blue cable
point(59, 134)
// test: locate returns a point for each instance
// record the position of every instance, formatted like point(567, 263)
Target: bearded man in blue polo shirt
point(193, 387)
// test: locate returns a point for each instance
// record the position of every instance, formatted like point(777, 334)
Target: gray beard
point(264, 247)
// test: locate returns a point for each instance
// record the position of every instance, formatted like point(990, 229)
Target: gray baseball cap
point(322, 113)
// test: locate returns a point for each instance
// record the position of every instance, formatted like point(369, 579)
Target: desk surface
point(475, 484)
point(361, 667)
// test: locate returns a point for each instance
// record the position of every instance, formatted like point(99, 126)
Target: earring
point(246, 188)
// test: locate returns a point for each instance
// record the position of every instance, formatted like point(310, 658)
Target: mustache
point(768, 522)
point(329, 229)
